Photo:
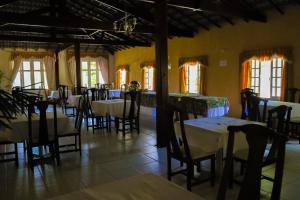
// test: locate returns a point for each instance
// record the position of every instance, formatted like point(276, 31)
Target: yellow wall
point(224, 44)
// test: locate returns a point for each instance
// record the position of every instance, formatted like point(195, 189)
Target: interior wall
point(224, 44)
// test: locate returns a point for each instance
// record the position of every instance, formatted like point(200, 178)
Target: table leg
point(219, 163)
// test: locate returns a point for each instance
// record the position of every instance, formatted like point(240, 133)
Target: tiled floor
point(107, 157)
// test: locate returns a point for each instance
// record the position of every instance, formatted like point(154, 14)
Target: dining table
point(295, 107)
point(19, 126)
point(211, 135)
point(111, 107)
point(145, 186)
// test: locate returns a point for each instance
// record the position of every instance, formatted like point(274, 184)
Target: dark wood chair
point(245, 94)
point(131, 114)
point(63, 92)
point(179, 149)
point(43, 138)
point(189, 105)
point(257, 137)
point(278, 120)
point(81, 89)
point(12, 154)
point(75, 132)
point(292, 95)
point(253, 109)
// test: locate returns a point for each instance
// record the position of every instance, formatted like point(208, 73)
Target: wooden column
point(161, 58)
point(78, 71)
point(56, 70)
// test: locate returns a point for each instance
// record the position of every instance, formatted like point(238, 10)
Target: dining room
point(149, 99)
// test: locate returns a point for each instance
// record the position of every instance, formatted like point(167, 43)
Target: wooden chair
point(253, 109)
point(292, 95)
point(75, 132)
point(189, 105)
point(245, 94)
point(257, 137)
point(82, 90)
point(4, 141)
point(43, 139)
point(179, 149)
point(63, 98)
point(278, 120)
point(131, 114)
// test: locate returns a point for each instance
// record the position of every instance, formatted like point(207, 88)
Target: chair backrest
point(257, 137)
point(174, 147)
point(103, 94)
point(292, 95)
point(43, 135)
point(253, 108)
point(63, 91)
point(94, 94)
point(245, 94)
point(135, 103)
point(81, 89)
point(279, 118)
point(188, 104)
point(79, 114)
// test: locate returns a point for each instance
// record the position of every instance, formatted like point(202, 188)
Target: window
point(148, 78)
point(90, 75)
point(31, 74)
point(266, 77)
point(122, 77)
point(192, 74)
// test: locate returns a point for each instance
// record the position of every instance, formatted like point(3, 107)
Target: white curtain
point(16, 65)
point(102, 66)
point(49, 63)
point(72, 70)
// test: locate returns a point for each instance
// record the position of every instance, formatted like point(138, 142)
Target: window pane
point(37, 65)
point(123, 77)
point(26, 65)
point(37, 79)
point(257, 73)
point(278, 92)
point(17, 81)
point(253, 72)
point(279, 62)
point(27, 78)
point(279, 71)
point(273, 91)
point(84, 79)
point(278, 82)
point(274, 82)
point(256, 90)
point(93, 78)
point(84, 65)
point(151, 77)
point(193, 79)
point(93, 65)
point(274, 72)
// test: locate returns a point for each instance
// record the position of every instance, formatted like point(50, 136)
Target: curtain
point(102, 66)
point(246, 74)
point(17, 62)
point(183, 79)
point(118, 76)
point(202, 88)
point(72, 70)
point(49, 63)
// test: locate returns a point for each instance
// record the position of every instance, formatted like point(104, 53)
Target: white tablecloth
point(19, 131)
point(114, 93)
point(142, 187)
point(210, 134)
point(113, 107)
point(55, 94)
point(295, 107)
point(73, 100)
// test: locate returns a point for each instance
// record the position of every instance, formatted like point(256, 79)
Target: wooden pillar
point(56, 70)
point(78, 71)
point(161, 58)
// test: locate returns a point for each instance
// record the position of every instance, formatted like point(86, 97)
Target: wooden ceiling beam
point(62, 22)
point(215, 7)
point(144, 14)
point(6, 2)
point(276, 7)
point(66, 40)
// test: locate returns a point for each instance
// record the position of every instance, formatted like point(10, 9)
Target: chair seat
point(243, 154)
point(69, 133)
point(295, 120)
point(197, 153)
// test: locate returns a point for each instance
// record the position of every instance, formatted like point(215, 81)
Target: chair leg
point(131, 125)
point(231, 175)
point(93, 124)
point(190, 171)
point(123, 127)
point(79, 141)
point(137, 123)
point(57, 153)
point(199, 168)
point(117, 125)
point(212, 171)
point(87, 123)
point(169, 160)
point(16, 154)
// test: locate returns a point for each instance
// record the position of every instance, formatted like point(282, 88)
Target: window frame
point(273, 95)
point(32, 71)
point(89, 70)
point(187, 83)
point(146, 71)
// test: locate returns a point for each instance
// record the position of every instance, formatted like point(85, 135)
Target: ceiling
point(58, 24)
